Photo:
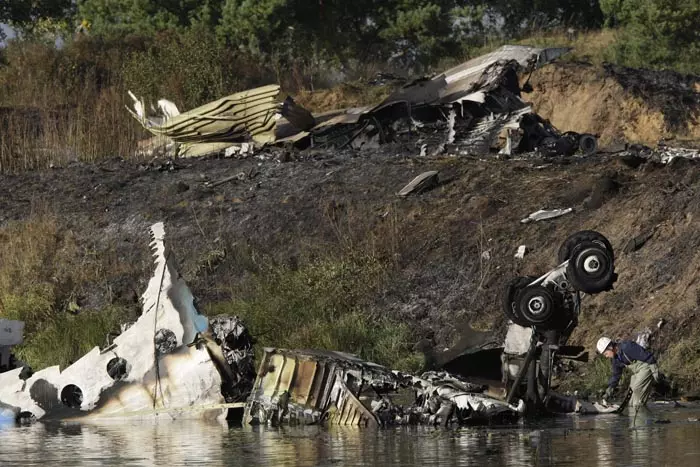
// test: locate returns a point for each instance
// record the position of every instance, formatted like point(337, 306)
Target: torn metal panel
point(248, 116)
point(308, 386)
point(240, 116)
point(479, 74)
point(463, 77)
point(421, 183)
point(297, 115)
point(544, 214)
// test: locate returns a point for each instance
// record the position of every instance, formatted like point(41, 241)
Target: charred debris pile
point(175, 363)
point(475, 108)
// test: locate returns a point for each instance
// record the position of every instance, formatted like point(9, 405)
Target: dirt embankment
point(452, 247)
point(619, 104)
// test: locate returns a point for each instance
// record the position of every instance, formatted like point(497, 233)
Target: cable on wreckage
point(158, 387)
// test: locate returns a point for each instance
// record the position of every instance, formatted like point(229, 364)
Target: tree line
point(657, 33)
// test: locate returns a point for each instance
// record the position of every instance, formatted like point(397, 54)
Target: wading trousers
point(641, 383)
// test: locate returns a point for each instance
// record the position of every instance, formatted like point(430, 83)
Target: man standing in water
point(645, 372)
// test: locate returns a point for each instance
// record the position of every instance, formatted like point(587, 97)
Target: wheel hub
point(536, 305)
point(591, 264)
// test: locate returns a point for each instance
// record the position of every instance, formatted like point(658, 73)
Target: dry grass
point(588, 46)
point(342, 96)
point(54, 138)
point(58, 106)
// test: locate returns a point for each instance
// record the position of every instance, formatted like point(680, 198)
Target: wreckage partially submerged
point(173, 362)
point(474, 108)
point(165, 362)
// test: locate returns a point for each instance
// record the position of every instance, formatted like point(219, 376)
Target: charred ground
point(427, 263)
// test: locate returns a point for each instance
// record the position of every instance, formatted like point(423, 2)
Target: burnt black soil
point(675, 94)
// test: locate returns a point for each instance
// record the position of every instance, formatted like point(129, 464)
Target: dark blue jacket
point(627, 352)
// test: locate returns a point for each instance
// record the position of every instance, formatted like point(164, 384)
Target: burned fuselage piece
point(165, 362)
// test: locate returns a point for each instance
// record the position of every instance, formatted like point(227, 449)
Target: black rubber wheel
point(588, 144)
point(575, 239)
point(536, 305)
point(591, 268)
point(510, 293)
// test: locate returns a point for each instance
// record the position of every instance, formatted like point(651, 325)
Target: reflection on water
point(609, 440)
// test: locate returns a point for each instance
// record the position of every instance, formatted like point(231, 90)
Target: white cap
point(603, 344)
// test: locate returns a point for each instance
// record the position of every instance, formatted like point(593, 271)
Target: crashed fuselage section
point(174, 362)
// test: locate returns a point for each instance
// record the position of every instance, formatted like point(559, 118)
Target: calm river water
point(609, 440)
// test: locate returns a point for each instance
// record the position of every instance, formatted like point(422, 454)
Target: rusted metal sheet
point(301, 389)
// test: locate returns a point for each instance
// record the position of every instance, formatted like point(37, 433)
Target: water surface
point(608, 440)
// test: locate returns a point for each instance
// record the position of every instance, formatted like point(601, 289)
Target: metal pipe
point(521, 372)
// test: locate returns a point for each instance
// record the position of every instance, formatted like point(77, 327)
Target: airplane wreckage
point(175, 363)
point(474, 108)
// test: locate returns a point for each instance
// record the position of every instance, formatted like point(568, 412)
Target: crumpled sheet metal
point(311, 386)
point(469, 79)
point(151, 383)
point(448, 399)
point(306, 386)
point(237, 349)
point(489, 81)
point(483, 132)
point(250, 113)
point(527, 57)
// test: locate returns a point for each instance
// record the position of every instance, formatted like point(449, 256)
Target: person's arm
point(617, 368)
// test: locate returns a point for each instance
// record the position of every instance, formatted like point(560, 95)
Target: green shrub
point(656, 33)
point(64, 338)
point(190, 68)
point(323, 305)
